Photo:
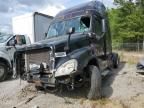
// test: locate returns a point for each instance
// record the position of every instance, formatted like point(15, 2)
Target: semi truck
point(33, 25)
point(76, 52)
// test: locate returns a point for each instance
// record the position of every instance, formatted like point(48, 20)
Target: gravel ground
point(123, 88)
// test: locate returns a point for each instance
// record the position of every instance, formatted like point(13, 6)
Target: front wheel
point(95, 83)
point(3, 71)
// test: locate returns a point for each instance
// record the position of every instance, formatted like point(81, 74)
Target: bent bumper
point(42, 80)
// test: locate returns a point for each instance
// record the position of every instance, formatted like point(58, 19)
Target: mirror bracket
point(103, 26)
point(69, 32)
point(91, 35)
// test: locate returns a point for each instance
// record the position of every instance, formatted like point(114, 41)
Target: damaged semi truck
point(77, 49)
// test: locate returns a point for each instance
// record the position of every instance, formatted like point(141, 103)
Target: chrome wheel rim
point(2, 70)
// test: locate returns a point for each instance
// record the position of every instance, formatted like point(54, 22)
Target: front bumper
point(50, 80)
point(42, 79)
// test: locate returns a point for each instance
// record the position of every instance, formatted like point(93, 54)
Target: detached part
point(140, 67)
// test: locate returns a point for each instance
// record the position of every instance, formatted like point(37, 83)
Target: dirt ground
point(123, 88)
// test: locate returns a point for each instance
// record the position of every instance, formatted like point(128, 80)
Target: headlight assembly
point(67, 68)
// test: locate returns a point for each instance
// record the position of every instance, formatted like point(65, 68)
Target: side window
point(97, 26)
point(17, 40)
point(84, 24)
point(20, 40)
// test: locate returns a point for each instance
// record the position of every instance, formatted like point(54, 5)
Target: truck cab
point(77, 49)
point(8, 45)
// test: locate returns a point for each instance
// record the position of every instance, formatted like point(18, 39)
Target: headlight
point(67, 68)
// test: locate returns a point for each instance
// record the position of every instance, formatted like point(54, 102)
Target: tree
point(126, 20)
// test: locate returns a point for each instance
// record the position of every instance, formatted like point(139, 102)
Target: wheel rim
point(2, 70)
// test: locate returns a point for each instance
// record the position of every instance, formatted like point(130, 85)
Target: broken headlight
point(67, 68)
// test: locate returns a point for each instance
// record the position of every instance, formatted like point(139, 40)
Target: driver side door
point(98, 42)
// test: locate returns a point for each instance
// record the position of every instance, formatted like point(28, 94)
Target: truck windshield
point(81, 24)
point(4, 37)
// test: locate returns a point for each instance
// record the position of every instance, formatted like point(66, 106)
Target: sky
point(12, 8)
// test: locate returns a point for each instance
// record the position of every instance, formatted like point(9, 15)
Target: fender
point(82, 55)
point(5, 57)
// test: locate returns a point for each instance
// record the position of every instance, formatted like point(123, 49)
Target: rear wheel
point(3, 71)
point(95, 83)
point(116, 60)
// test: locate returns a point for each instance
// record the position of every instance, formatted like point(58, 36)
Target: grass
point(130, 57)
point(102, 103)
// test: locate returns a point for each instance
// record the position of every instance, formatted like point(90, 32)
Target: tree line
point(127, 21)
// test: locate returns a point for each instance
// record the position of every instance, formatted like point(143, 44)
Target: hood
point(54, 40)
point(58, 42)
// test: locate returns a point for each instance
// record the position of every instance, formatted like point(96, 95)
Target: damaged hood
point(47, 43)
point(58, 42)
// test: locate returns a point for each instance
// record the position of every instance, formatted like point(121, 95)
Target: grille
point(38, 57)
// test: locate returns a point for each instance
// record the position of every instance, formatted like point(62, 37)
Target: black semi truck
point(77, 49)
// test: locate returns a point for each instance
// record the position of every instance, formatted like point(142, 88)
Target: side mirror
point(71, 30)
point(45, 34)
point(103, 25)
point(12, 42)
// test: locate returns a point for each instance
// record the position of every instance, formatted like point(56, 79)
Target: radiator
point(35, 58)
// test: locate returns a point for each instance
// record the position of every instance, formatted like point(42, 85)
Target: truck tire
point(3, 71)
point(116, 60)
point(95, 83)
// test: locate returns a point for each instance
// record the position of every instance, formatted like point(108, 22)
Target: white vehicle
point(34, 25)
point(8, 45)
